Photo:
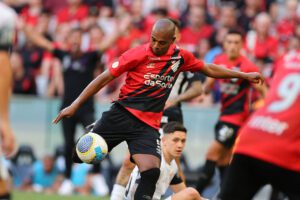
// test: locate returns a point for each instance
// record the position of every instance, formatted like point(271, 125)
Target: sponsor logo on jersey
point(158, 80)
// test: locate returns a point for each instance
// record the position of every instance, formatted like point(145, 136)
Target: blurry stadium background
point(271, 28)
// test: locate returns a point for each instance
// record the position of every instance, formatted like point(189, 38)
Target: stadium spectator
point(45, 175)
point(196, 30)
point(260, 44)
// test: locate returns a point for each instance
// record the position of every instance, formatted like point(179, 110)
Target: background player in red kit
point(267, 150)
point(235, 107)
point(135, 117)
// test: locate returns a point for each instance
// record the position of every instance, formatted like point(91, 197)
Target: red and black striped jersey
point(235, 93)
point(272, 133)
point(150, 79)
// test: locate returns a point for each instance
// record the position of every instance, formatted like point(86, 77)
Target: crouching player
point(173, 143)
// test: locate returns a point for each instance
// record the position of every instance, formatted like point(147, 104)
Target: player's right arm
point(37, 39)
point(89, 91)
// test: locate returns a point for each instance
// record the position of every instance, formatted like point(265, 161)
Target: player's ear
point(163, 140)
point(173, 39)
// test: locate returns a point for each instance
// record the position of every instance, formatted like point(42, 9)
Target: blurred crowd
point(46, 175)
point(270, 28)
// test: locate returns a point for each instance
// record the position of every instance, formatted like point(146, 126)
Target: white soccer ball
point(91, 148)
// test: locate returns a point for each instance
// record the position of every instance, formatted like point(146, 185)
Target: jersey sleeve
point(191, 63)
point(251, 67)
point(126, 62)
point(176, 180)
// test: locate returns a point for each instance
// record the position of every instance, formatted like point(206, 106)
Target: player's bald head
point(165, 27)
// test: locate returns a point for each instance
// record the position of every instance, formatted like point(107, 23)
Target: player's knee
point(127, 164)
point(192, 193)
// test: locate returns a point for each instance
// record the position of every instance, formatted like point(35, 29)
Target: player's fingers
point(58, 118)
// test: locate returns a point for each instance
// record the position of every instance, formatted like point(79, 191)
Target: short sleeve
point(251, 67)
point(191, 63)
point(126, 62)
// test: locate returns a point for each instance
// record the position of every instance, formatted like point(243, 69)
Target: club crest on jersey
point(175, 65)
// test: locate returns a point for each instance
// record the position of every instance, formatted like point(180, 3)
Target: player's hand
point(8, 141)
point(66, 112)
point(254, 77)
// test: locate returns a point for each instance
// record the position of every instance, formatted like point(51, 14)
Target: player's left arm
point(193, 91)
point(217, 71)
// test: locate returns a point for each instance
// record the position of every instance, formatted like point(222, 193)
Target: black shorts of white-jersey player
point(77, 71)
point(235, 108)
point(137, 133)
point(7, 141)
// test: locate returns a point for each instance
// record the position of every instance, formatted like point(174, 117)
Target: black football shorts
point(117, 125)
point(226, 133)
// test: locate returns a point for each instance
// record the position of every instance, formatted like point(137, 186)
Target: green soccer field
point(34, 196)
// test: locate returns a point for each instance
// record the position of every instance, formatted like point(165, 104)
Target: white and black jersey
point(168, 176)
point(183, 82)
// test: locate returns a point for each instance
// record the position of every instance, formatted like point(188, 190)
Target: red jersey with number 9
point(272, 133)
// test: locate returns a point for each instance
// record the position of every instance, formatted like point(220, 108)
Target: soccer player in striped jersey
point(235, 107)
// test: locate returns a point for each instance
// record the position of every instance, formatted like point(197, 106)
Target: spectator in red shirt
point(196, 30)
point(259, 43)
point(75, 12)
point(31, 13)
point(287, 25)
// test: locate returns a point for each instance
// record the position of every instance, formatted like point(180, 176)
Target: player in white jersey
point(173, 143)
point(7, 26)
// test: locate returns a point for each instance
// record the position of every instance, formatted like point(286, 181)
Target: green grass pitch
point(40, 196)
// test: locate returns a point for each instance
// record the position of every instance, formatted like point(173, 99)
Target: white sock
point(118, 192)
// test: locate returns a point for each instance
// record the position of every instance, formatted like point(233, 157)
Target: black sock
point(146, 187)
point(5, 197)
point(206, 174)
point(75, 157)
point(222, 170)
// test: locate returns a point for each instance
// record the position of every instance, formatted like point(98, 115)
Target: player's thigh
point(186, 194)
point(241, 181)
point(145, 148)
point(113, 126)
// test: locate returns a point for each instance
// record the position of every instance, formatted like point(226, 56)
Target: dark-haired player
point(173, 143)
point(235, 107)
point(267, 150)
point(152, 70)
